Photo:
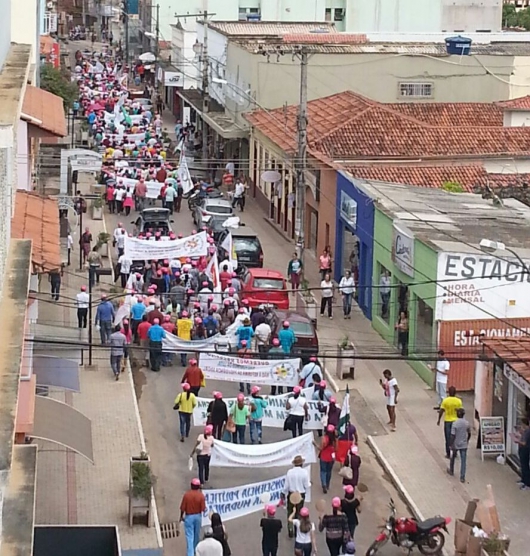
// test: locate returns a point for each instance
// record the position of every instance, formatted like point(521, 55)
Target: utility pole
point(205, 94)
point(301, 156)
point(157, 45)
point(126, 18)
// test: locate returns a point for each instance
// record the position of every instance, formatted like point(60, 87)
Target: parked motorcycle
point(407, 532)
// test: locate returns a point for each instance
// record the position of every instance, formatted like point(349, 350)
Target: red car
point(263, 286)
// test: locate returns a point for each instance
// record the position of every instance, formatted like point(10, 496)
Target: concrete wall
point(376, 76)
point(24, 26)
point(292, 10)
point(182, 55)
point(5, 29)
point(520, 78)
point(23, 166)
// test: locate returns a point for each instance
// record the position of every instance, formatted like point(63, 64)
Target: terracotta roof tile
point(46, 108)
point(37, 218)
point(325, 38)
point(515, 351)
point(521, 103)
point(461, 114)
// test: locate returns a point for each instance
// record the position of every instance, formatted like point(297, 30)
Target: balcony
point(48, 23)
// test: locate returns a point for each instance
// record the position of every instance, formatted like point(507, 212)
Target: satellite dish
point(271, 176)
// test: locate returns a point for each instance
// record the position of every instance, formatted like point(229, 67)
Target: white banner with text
point(144, 250)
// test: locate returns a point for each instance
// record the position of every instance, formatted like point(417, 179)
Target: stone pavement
point(70, 489)
point(414, 455)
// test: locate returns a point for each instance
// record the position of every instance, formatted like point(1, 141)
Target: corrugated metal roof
point(269, 28)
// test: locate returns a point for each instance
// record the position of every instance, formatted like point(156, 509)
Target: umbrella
point(147, 57)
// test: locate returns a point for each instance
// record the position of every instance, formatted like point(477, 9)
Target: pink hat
point(197, 305)
point(354, 449)
point(241, 311)
point(271, 510)
point(208, 429)
point(231, 291)
point(348, 489)
point(210, 298)
point(156, 321)
point(193, 232)
point(286, 324)
point(243, 342)
point(330, 428)
point(234, 274)
point(205, 283)
point(167, 318)
point(245, 302)
point(226, 302)
point(138, 275)
point(193, 263)
point(304, 512)
point(184, 314)
point(335, 503)
point(275, 342)
point(297, 390)
point(332, 400)
point(83, 288)
point(188, 260)
point(323, 383)
point(255, 389)
point(198, 320)
point(196, 482)
point(240, 397)
point(213, 307)
point(193, 361)
point(218, 395)
point(312, 359)
point(185, 386)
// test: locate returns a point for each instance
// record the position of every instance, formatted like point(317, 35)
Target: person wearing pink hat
point(156, 335)
point(310, 371)
point(217, 414)
point(257, 407)
point(185, 403)
point(328, 449)
point(350, 468)
point(82, 300)
point(240, 414)
point(203, 449)
point(304, 541)
point(298, 411)
point(194, 377)
point(287, 337)
point(192, 506)
point(350, 507)
point(336, 526)
point(184, 328)
point(271, 527)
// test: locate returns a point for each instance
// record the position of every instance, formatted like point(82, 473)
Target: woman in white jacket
point(347, 290)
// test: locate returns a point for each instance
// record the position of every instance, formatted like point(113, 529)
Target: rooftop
point(269, 28)
point(13, 79)
point(45, 110)
point(521, 103)
point(515, 351)
point(441, 219)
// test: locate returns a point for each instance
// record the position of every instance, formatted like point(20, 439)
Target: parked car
point(153, 220)
point(211, 207)
point(144, 103)
point(215, 225)
point(262, 286)
point(247, 246)
point(303, 327)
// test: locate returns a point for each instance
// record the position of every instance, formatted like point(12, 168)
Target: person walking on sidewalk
point(294, 271)
point(185, 403)
point(402, 327)
point(347, 290)
point(326, 455)
point(325, 263)
point(155, 334)
point(391, 390)
point(523, 441)
point(104, 318)
point(117, 341)
point(327, 291)
point(441, 371)
point(460, 435)
point(336, 526)
point(55, 277)
point(203, 450)
point(448, 409)
point(192, 507)
point(82, 300)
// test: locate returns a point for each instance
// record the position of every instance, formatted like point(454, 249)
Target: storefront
point(354, 243)
point(404, 290)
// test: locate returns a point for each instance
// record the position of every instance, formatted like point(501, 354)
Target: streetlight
point(489, 246)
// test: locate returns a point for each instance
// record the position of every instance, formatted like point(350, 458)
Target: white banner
point(183, 173)
point(176, 344)
point(143, 250)
point(273, 415)
point(153, 187)
point(130, 137)
point(277, 454)
point(238, 501)
point(279, 372)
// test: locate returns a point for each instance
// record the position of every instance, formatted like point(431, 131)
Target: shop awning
point(56, 372)
point(44, 110)
point(515, 353)
point(61, 423)
point(63, 340)
point(37, 218)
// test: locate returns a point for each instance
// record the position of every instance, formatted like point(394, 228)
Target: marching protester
point(185, 403)
point(305, 541)
point(271, 528)
point(203, 450)
point(308, 372)
point(220, 533)
point(257, 406)
point(326, 455)
point(117, 343)
point(336, 526)
point(297, 480)
point(350, 468)
point(192, 507)
point(298, 411)
point(217, 415)
point(240, 414)
point(104, 318)
point(156, 334)
point(194, 377)
point(209, 546)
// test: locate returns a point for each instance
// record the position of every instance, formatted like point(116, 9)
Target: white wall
point(23, 166)
point(217, 50)
point(292, 10)
point(520, 77)
point(24, 26)
point(183, 57)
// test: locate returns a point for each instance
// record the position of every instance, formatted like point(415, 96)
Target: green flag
point(344, 418)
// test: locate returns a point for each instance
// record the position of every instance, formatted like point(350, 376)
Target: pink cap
point(198, 320)
point(234, 274)
point(323, 383)
point(297, 389)
point(245, 302)
point(193, 361)
point(226, 302)
point(188, 260)
point(138, 275)
point(335, 503)
point(205, 283)
point(255, 389)
point(196, 482)
point(275, 342)
point(313, 359)
point(193, 232)
point(210, 298)
point(243, 342)
point(213, 307)
point(218, 395)
point(332, 400)
point(167, 318)
point(304, 512)
point(197, 305)
point(193, 263)
point(240, 397)
point(83, 288)
point(208, 429)
point(184, 314)
point(154, 287)
point(185, 386)
point(348, 489)
point(271, 510)
point(231, 291)
point(241, 311)
point(330, 428)
point(156, 321)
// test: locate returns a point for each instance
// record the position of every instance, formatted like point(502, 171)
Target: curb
point(331, 381)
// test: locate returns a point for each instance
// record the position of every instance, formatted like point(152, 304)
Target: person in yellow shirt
point(447, 410)
point(184, 327)
point(185, 403)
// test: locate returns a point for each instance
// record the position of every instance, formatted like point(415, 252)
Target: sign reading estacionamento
point(480, 286)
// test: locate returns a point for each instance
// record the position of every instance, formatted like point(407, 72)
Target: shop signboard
point(518, 381)
point(403, 248)
point(348, 209)
point(475, 285)
point(173, 79)
point(492, 436)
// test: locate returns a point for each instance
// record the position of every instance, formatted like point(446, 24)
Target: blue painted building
point(354, 239)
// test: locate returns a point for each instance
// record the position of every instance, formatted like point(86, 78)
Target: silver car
point(211, 207)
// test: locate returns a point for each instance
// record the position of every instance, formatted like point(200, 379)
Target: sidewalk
point(70, 489)
point(414, 455)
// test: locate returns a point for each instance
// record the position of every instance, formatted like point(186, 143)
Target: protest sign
point(276, 372)
point(175, 344)
point(190, 246)
point(274, 414)
point(277, 454)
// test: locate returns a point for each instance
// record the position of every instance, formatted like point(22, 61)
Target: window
point(302, 328)
point(242, 14)
point(424, 327)
point(418, 90)
point(328, 14)
point(338, 14)
point(268, 284)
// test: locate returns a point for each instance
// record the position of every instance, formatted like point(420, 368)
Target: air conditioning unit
point(49, 5)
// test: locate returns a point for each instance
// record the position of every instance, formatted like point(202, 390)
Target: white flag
point(212, 271)
point(228, 246)
point(183, 174)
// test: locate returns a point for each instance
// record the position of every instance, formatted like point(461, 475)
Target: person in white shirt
point(308, 371)
point(296, 480)
point(347, 290)
point(120, 243)
point(391, 389)
point(203, 297)
point(119, 196)
point(117, 232)
point(82, 299)
point(442, 373)
point(239, 196)
point(136, 282)
point(169, 198)
point(70, 244)
point(230, 168)
point(326, 291)
point(305, 541)
point(298, 410)
point(262, 334)
point(209, 546)
point(125, 269)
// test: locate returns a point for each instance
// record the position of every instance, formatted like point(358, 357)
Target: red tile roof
point(46, 108)
point(515, 351)
point(521, 103)
point(37, 218)
point(325, 38)
point(461, 114)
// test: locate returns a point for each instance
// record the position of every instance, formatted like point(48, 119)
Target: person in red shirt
point(155, 314)
point(161, 175)
point(111, 203)
point(225, 277)
point(143, 329)
point(328, 448)
point(140, 192)
point(194, 377)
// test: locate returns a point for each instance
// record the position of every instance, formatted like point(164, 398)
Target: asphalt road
point(156, 392)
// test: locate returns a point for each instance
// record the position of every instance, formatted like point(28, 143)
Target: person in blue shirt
point(155, 334)
point(257, 405)
point(287, 337)
point(137, 312)
point(104, 319)
point(245, 333)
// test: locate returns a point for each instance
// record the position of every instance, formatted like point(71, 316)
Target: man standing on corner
point(442, 374)
point(192, 507)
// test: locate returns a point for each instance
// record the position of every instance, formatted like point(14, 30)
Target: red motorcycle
point(407, 532)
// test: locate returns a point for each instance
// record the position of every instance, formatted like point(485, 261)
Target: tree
point(58, 83)
point(452, 186)
point(509, 16)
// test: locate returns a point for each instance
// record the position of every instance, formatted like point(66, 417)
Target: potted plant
point(495, 545)
point(103, 243)
point(141, 483)
point(345, 358)
point(97, 208)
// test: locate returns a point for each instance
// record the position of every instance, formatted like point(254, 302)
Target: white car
point(211, 207)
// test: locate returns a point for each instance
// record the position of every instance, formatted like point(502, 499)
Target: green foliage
point(515, 18)
point(58, 83)
point(452, 187)
point(103, 237)
point(142, 480)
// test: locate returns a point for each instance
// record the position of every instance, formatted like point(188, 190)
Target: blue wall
point(132, 7)
point(364, 230)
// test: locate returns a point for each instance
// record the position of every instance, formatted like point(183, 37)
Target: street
point(156, 393)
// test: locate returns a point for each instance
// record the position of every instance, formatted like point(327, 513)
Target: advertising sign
point(403, 248)
point(173, 79)
point(474, 283)
point(492, 435)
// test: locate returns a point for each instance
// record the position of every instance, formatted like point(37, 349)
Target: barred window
point(415, 90)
